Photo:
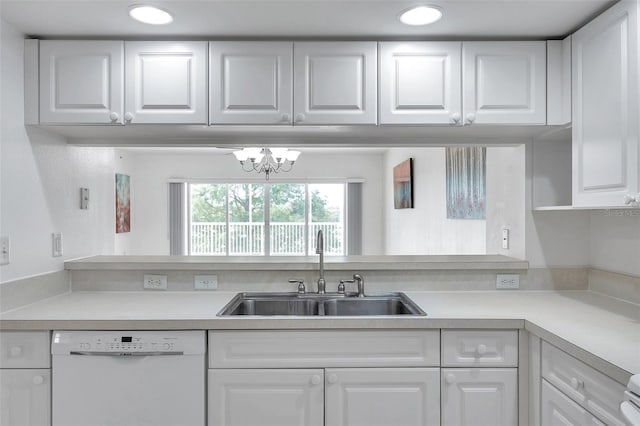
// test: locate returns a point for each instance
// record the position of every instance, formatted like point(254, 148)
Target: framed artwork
point(466, 182)
point(123, 204)
point(403, 185)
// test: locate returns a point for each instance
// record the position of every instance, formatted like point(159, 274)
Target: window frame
point(267, 212)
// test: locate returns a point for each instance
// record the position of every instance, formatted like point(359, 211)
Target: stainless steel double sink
point(320, 305)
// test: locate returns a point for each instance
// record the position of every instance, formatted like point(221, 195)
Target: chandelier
point(266, 160)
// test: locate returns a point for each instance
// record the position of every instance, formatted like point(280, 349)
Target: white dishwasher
point(127, 378)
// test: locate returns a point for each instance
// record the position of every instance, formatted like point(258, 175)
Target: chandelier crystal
point(266, 160)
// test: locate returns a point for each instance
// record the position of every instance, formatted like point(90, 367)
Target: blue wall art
point(403, 185)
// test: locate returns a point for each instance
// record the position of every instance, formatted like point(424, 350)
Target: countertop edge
point(619, 374)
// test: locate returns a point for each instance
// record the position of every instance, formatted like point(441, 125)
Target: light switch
point(56, 244)
point(84, 198)
point(5, 250)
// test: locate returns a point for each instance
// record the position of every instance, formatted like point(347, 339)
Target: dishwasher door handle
point(159, 353)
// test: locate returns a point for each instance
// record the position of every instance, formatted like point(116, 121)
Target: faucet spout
point(322, 284)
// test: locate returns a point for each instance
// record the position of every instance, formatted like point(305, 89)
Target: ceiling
point(468, 19)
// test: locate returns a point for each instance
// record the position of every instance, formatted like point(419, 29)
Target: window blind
point(178, 219)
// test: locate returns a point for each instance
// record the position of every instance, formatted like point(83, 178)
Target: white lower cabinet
point(559, 410)
point(25, 397)
point(479, 396)
point(260, 397)
point(331, 397)
point(25, 378)
point(382, 396)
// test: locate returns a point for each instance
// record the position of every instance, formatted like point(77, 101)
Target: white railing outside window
point(245, 239)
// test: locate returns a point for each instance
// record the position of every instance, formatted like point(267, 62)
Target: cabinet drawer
point(323, 348)
point(596, 392)
point(558, 409)
point(24, 349)
point(476, 348)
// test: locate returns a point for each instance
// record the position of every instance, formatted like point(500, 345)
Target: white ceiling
point(301, 18)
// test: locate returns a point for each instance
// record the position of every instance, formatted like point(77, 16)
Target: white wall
point(153, 169)
point(506, 199)
point(553, 238)
point(614, 237)
point(425, 228)
point(40, 181)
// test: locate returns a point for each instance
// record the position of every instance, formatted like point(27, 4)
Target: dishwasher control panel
point(69, 342)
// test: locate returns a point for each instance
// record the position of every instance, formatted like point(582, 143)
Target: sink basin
point(372, 306)
point(265, 305)
point(294, 304)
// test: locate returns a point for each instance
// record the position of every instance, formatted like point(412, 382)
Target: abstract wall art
point(466, 182)
point(403, 185)
point(123, 204)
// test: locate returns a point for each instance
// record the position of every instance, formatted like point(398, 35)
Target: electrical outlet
point(155, 282)
point(205, 282)
point(5, 250)
point(508, 281)
point(56, 244)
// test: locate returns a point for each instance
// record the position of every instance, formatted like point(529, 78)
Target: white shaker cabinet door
point(479, 396)
point(335, 83)
point(251, 82)
point(420, 83)
point(277, 397)
point(81, 82)
point(504, 82)
point(25, 397)
point(382, 397)
point(166, 82)
point(605, 108)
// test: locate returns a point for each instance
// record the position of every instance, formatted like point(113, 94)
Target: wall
point(553, 238)
point(154, 168)
point(614, 241)
point(506, 200)
point(40, 182)
point(425, 229)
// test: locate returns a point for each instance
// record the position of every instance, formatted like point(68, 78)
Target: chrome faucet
point(322, 284)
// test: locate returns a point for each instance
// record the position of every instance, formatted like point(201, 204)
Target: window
point(282, 219)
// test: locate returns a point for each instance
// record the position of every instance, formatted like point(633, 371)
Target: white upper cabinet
point(420, 83)
point(335, 83)
point(81, 82)
point(166, 82)
point(504, 82)
point(251, 82)
point(605, 108)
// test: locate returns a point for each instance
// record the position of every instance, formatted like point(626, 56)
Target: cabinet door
point(335, 83)
point(266, 397)
point(25, 397)
point(81, 82)
point(504, 82)
point(382, 397)
point(479, 396)
point(605, 108)
point(420, 83)
point(558, 410)
point(251, 82)
point(166, 82)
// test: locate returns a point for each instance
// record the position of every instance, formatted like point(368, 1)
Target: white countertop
point(602, 331)
point(298, 263)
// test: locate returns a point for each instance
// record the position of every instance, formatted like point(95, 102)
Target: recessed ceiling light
point(420, 15)
point(150, 15)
